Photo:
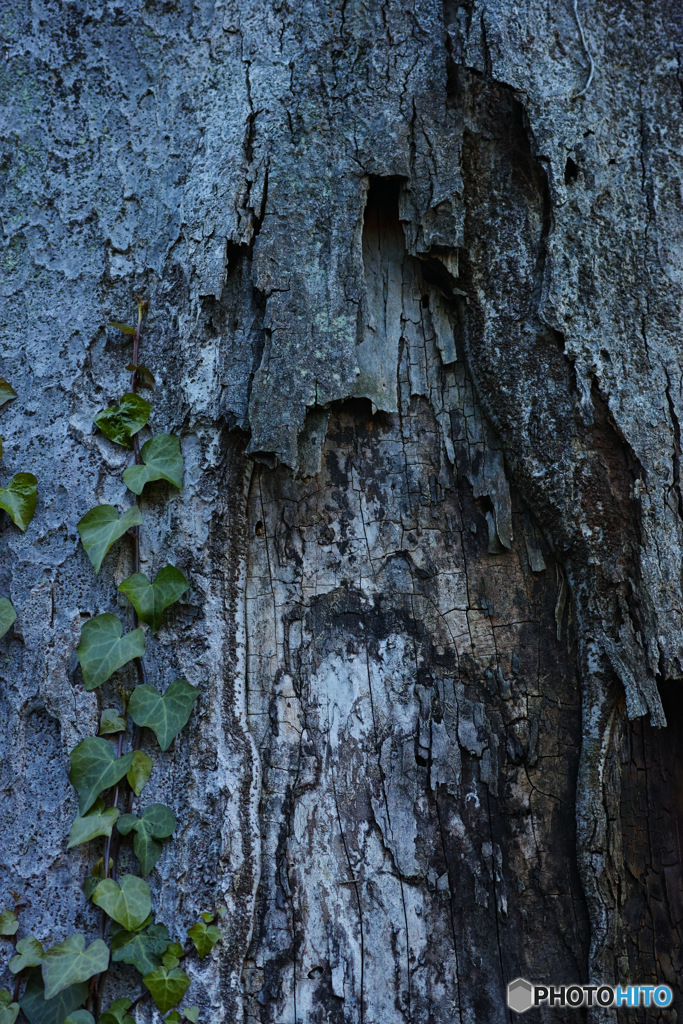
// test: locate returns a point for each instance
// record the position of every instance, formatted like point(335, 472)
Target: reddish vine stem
point(113, 845)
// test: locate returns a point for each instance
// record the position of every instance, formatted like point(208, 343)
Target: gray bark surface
point(415, 283)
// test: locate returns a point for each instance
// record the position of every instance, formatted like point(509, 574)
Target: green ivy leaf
point(173, 1018)
point(207, 918)
point(156, 822)
point(40, 1010)
point(139, 772)
point(167, 987)
point(120, 422)
point(94, 768)
point(102, 526)
point(145, 376)
point(19, 499)
point(124, 328)
point(97, 822)
point(80, 1017)
point(165, 715)
point(29, 954)
point(7, 392)
point(128, 903)
point(9, 1010)
point(204, 937)
point(95, 877)
point(70, 962)
point(116, 1014)
point(142, 949)
point(162, 461)
point(150, 600)
point(192, 1013)
point(7, 615)
point(103, 649)
point(111, 722)
point(8, 923)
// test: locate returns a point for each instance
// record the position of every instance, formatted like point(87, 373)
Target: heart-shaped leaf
point(120, 422)
point(162, 461)
point(103, 649)
point(29, 954)
point(116, 1014)
point(94, 768)
point(19, 499)
point(8, 923)
point(145, 377)
point(7, 615)
point(156, 822)
point(9, 1010)
point(7, 392)
point(141, 949)
point(166, 715)
point(40, 1010)
point(102, 526)
point(97, 822)
point(111, 722)
point(204, 937)
point(191, 1013)
point(124, 328)
point(128, 903)
point(80, 1017)
point(151, 599)
point(70, 962)
point(167, 987)
point(139, 772)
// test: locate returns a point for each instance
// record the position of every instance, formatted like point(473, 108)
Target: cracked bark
point(415, 303)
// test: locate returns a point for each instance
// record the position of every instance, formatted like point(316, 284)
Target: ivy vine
point(65, 983)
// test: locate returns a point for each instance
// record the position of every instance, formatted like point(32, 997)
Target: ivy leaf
point(204, 937)
point(139, 772)
point(95, 877)
point(103, 649)
point(70, 962)
point(19, 499)
point(102, 526)
point(97, 822)
point(94, 768)
point(7, 615)
point(173, 1018)
point(192, 1013)
point(165, 715)
point(40, 1010)
point(206, 917)
point(8, 923)
point(141, 949)
point(156, 822)
point(9, 1010)
point(162, 461)
point(120, 422)
point(29, 954)
point(124, 328)
point(80, 1017)
point(128, 903)
point(116, 1014)
point(111, 722)
point(151, 599)
point(167, 987)
point(145, 376)
point(7, 392)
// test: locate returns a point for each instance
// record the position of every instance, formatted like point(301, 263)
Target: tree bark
point(414, 272)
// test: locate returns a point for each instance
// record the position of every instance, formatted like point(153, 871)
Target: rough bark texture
point(415, 283)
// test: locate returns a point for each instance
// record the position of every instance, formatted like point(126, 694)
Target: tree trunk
point(414, 273)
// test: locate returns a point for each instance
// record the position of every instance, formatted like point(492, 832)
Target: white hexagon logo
point(520, 995)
